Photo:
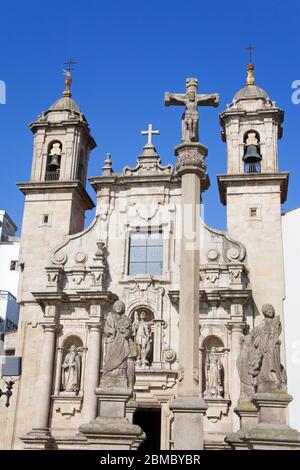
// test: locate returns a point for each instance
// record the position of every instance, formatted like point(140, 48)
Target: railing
point(252, 168)
point(52, 175)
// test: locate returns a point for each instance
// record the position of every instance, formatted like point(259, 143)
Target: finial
point(107, 168)
point(68, 80)
point(250, 76)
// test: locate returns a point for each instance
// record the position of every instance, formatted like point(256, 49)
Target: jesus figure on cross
point(191, 100)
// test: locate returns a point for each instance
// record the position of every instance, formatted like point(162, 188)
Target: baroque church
point(149, 329)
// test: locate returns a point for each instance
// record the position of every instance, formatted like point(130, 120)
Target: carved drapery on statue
point(119, 349)
point(214, 374)
point(259, 363)
point(71, 370)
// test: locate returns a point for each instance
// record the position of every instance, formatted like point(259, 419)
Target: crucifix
point(191, 100)
point(150, 132)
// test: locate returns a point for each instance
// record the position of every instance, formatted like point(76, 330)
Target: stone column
point(236, 329)
point(188, 407)
point(58, 370)
point(43, 397)
point(92, 371)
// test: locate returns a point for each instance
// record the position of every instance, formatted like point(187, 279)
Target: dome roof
point(65, 104)
point(250, 92)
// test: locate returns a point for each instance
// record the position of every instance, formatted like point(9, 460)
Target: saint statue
point(213, 373)
point(71, 370)
point(142, 338)
point(259, 364)
point(117, 330)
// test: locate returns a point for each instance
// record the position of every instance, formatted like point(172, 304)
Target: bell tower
point(253, 188)
point(55, 196)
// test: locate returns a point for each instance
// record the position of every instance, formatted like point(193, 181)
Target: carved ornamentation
point(169, 355)
point(213, 255)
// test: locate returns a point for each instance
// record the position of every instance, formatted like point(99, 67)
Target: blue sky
point(128, 54)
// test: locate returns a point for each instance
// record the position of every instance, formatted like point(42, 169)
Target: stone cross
point(191, 100)
point(149, 133)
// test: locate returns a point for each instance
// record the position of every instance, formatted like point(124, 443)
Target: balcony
point(52, 175)
point(252, 168)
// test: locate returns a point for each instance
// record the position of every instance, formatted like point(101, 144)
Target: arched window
point(252, 156)
point(53, 161)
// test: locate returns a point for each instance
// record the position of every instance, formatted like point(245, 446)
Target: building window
point(253, 212)
point(145, 253)
point(14, 266)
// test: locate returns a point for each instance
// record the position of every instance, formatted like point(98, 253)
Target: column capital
point(50, 326)
point(236, 326)
point(191, 159)
point(93, 326)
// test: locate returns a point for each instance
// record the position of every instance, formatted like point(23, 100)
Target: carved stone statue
point(191, 100)
point(213, 374)
point(71, 370)
point(259, 363)
point(117, 330)
point(142, 338)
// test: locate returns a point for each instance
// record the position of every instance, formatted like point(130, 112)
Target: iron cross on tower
point(250, 49)
point(191, 100)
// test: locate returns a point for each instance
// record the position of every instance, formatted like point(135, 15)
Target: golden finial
point(68, 80)
point(250, 77)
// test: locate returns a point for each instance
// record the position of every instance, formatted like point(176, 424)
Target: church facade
point(131, 252)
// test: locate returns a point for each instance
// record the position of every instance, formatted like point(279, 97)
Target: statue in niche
point(259, 364)
point(142, 337)
point(117, 330)
point(71, 370)
point(213, 374)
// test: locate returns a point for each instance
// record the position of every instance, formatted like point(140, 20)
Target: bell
point(252, 155)
point(54, 164)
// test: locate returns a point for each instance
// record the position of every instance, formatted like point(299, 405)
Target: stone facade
point(72, 277)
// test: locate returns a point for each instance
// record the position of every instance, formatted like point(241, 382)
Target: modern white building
point(291, 231)
point(9, 274)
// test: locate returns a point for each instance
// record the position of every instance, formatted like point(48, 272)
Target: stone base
point(38, 439)
point(188, 423)
point(112, 434)
point(263, 424)
point(248, 414)
point(112, 430)
point(272, 432)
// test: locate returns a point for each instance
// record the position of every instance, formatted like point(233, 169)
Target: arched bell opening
point(53, 161)
point(252, 156)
